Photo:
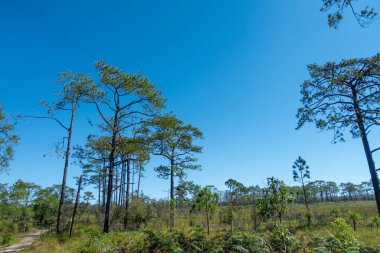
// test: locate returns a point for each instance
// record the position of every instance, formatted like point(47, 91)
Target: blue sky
point(231, 68)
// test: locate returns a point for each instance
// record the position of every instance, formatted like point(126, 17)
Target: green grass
point(90, 239)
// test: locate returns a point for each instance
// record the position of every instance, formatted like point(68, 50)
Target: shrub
point(247, 243)
point(279, 238)
point(6, 239)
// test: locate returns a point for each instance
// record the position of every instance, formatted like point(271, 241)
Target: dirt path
point(25, 241)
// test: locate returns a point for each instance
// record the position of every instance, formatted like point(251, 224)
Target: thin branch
point(46, 117)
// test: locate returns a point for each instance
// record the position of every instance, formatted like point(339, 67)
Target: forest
point(108, 211)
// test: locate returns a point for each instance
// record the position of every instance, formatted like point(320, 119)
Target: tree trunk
point(99, 190)
point(172, 214)
point(321, 195)
point(254, 216)
point(127, 192)
point(104, 192)
point(207, 219)
point(121, 187)
point(139, 181)
point(66, 167)
point(75, 207)
point(133, 180)
point(116, 185)
point(304, 193)
point(368, 153)
point(107, 214)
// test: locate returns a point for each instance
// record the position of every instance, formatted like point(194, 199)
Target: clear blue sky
point(232, 68)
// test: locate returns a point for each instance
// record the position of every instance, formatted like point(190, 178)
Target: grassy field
point(157, 238)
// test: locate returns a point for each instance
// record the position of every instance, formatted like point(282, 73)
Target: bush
point(343, 233)
point(280, 239)
point(247, 243)
point(6, 239)
point(342, 240)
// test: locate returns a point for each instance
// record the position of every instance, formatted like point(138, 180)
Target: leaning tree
point(74, 90)
point(341, 96)
point(173, 140)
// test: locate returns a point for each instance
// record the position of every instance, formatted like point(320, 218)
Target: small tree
point(300, 173)
point(207, 200)
point(7, 141)
point(375, 221)
point(253, 195)
point(173, 140)
point(335, 211)
point(354, 217)
point(186, 191)
point(45, 206)
point(275, 199)
point(21, 194)
point(236, 193)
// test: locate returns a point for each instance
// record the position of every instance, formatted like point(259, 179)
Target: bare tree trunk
point(121, 193)
point(116, 185)
point(124, 166)
point(368, 153)
point(75, 207)
point(66, 167)
point(104, 193)
point(139, 181)
point(133, 180)
point(99, 190)
point(254, 214)
point(107, 214)
point(126, 214)
point(172, 214)
point(304, 193)
point(207, 219)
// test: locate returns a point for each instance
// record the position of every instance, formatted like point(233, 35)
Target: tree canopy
point(365, 16)
point(7, 140)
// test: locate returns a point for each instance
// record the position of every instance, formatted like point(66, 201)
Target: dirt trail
point(25, 241)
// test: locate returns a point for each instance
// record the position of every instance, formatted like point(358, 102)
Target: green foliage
point(174, 140)
point(207, 200)
point(343, 233)
point(300, 170)
point(336, 8)
point(275, 199)
point(328, 97)
point(342, 240)
point(309, 216)
point(126, 84)
point(140, 213)
point(45, 206)
point(236, 194)
point(354, 217)
point(247, 243)
point(279, 238)
point(375, 221)
point(335, 211)
point(7, 141)
point(7, 239)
